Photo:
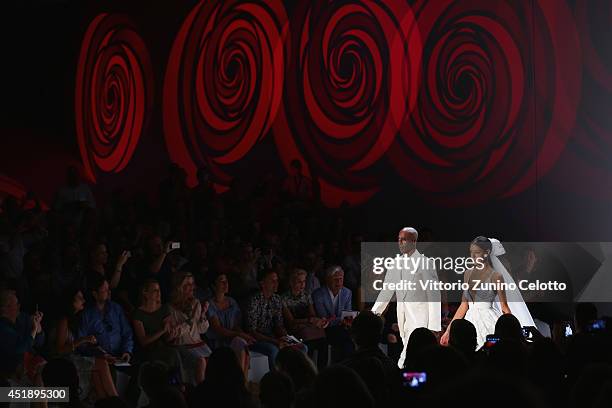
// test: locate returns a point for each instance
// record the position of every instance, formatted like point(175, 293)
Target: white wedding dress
point(483, 306)
point(482, 312)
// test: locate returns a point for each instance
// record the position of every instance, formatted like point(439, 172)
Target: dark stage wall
point(471, 117)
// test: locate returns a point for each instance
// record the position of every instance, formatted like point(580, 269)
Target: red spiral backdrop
point(351, 77)
point(460, 102)
point(588, 167)
point(114, 94)
point(478, 132)
point(223, 84)
point(13, 188)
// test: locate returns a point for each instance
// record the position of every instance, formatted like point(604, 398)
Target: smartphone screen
point(597, 325)
point(527, 334)
point(491, 340)
point(413, 379)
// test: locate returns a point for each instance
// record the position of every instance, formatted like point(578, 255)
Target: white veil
point(515, 299)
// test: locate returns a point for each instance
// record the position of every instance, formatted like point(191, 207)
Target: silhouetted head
point(508, 327)
point(462, 336)
point(340, 386)
point(420, 339)
point(297, 366)
point(366, 329)
point(276, 390)
point(443, 365)
point(223, 369)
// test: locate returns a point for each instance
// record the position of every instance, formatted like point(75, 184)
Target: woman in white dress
point(483, 307)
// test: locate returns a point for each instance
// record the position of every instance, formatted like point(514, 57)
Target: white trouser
point(410, 315)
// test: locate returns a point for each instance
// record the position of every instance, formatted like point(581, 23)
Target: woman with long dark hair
point(93, 371)
point(477, 304)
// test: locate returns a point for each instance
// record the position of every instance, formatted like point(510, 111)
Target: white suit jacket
point(406, 299)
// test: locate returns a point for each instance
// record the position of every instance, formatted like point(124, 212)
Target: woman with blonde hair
point(152, 327)
point(187, 322)
point(300, 316)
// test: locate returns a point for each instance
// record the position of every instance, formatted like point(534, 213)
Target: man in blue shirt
point(329, 303)
point(106, 321)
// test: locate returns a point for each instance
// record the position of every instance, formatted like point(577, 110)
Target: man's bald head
point(412, 231)
point(407, 239)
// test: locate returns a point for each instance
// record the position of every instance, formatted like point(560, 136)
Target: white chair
point(258, 366)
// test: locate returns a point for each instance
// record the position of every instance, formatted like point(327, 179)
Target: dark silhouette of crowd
point(170, 295)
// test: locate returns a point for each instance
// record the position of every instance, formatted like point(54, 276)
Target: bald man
point(416, 308)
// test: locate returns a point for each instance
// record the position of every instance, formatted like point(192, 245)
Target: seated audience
point(251, 237)
point(20, 334)
point(94, 373)
point(300, 317)
point(152, 328)
point(188, 322)
point(378, 371)
point(225, 320)
point(265, 318)
point(244, 274)
point(98, 262)
point(106, 321)
point(329, 303)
